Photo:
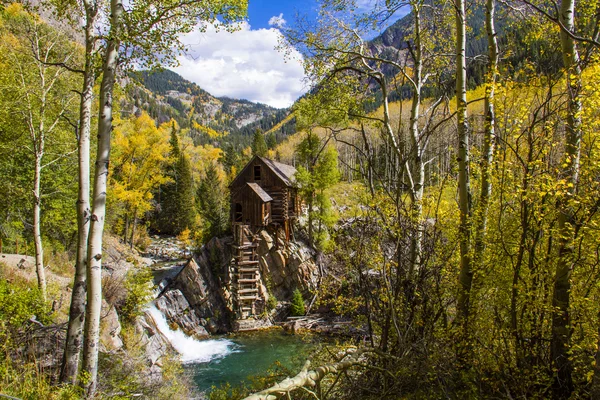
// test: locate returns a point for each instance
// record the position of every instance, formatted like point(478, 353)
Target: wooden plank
point(247, 263)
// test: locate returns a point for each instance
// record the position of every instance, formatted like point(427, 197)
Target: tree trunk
point(595, 390)
point(464, 189)
point(37, 229)
point(561, 331)
point(418, 168)
point(126, 225)
point(310, 220)
point(133, 226)
point(94, 256)
point(74, 340)
point(489, 136)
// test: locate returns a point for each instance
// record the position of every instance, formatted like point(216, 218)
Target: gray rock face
point(286, 266)
point(155, 345)
point(198, 302)
point(110, 328)
point(194, 300)
point(177, 310)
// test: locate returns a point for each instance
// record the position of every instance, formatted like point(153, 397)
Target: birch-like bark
point(94, 256)
point(37, 207)
point(418, 167)
point(36, 123)
point(561, 331)
point(464, 189)
point(489, 138)
point(74, 339)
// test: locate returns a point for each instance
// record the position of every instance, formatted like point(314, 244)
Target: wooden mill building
point(263, 194)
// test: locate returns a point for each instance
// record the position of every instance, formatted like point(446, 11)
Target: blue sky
point(261, 11)
point(246, 64)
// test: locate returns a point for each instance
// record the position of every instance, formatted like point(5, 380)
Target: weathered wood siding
point(254, 209)
point(270, 183)
point(268, 178)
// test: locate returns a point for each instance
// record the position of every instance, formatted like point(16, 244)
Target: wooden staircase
point(246, 271)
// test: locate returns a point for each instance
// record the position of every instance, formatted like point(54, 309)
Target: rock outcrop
point(198, 300)
point(177, 309)
point(195, 300)
point(285, 267)
point(154, 343)
point(110, 328)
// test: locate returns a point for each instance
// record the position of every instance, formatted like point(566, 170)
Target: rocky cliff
point(195, 300)
point(285, 267)
point(198, 300)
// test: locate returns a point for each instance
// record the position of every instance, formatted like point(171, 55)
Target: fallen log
point(306, 378)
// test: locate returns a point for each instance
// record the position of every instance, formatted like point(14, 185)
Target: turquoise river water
point(234, 358)
point(250, 354)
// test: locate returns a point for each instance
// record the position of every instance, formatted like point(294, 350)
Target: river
point(251, 354)
point(235, 358)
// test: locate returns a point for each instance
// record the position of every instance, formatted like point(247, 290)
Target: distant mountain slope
point(165, 95)
point(516, 49)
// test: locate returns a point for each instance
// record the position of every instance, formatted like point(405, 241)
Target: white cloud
point(277, 21)
point(243, 64)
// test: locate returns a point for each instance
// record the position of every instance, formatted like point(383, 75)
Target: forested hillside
point(165, 95)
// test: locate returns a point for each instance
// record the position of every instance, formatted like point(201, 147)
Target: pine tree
point(186, 212)
point(212, 203)
point(176, 198)
point(271, 141)
point(259, 145)
point(230, 159)
point(297, 308)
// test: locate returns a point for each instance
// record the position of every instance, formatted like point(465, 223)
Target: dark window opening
point(257, 172)
point(238, 212)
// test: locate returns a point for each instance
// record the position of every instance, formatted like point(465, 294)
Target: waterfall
point(191, 350)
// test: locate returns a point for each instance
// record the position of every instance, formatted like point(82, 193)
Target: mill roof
point(283, 171)
point(264, 196)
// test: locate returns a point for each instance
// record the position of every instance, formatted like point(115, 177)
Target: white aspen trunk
point(464, 189)
point(418, 168)
point(489, 138)
point(94, 256)
point(38, 141)
point(561, 330)
point(74, 339)
point(37, 230)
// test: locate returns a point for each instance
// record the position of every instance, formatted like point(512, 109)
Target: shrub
point(139, 291)
point(272, 302)
point(21, 377)
point(20, 300)
point(297, 308)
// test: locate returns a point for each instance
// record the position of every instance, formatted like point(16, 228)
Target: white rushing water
point(191, 350)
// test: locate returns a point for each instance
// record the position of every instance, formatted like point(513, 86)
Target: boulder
point(110, 328)
point(279, 260)
point(265, 242)
point(155, 344)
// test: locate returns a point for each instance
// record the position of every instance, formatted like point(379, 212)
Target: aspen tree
point(561, 330)
point(74, 338)
point(464, 187)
